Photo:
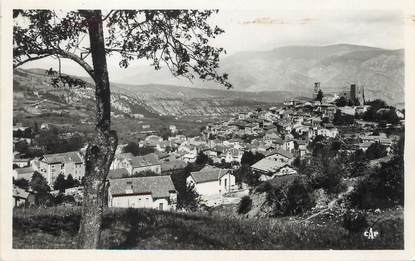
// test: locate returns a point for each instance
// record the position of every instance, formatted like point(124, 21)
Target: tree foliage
point(342, 119)
point(384, 116)
point(384, 186)
point(133, 148)
point(245, 205)
point(50, 142)
point(178, 39)
point(355, 221)
point(292, 197)
point(201, 158)
point(320, 96)
point(144, 173)
point(39, 184)
point(188, 199)
point(341, 102)
point(60, 183)
point(376, 151)
point(21, 183)
point(245, 174)
point(250, 158)
point(22, 147)
point(165, 133)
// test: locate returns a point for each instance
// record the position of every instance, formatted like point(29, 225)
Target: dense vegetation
point(152, 229)
point(384, 186)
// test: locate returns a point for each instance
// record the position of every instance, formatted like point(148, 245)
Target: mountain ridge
point(296, 68)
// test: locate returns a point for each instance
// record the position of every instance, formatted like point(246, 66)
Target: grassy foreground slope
point(152, 229)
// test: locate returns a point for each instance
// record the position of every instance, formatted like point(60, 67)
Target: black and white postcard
point(162, 128)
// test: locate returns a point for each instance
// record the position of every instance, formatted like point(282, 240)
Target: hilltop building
point(316, 89)
point(355, 94)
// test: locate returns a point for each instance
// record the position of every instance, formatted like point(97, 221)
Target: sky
point(266, 29)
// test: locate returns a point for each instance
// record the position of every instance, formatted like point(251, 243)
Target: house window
point(225, 182)
point(219, 182)
point(160, 206)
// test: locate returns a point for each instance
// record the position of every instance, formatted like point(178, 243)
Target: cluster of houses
point(281, 134)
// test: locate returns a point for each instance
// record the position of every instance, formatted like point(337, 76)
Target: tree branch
point(64, 54)
point(79, 61)
point(29, 60)
point(109, 13)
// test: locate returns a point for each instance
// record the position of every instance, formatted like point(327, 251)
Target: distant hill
point(34, 94)
point(179, 100)
point(296, 68)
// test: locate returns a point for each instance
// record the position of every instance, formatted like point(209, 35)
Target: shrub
point(359, 168)
point(326, 174)
point(38, 183)
point(188, 199)
point(264, 187)
point(244, 174)
point(202, 158)
point(60, 183)
point(132, 148)
point(291, 196)
point(383, 188)
point(144, 173)
point(375, 151)
point(342, 119)
point(354, 221)
point(21, 183)
point(251, 158)
point(245, 205)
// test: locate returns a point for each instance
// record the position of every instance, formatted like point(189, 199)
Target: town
point(263, 127)
point(225, 164)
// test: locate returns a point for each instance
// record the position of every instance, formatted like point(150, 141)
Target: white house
point(328, 131)
point(23, 173)
point(21, 162)
point(233, 155)
point(173, 129)
point(20, 196)
point(152, 140)
point(119, 158)
point(212, 181)
point(289, 144)
point(155, 192)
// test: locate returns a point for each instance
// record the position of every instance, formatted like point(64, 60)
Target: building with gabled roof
point(21, 162)
point(67, 163)
point(172, 166)
point(23, 173)
point(280, 155)
point(20, 196)
point(118, 158)
point(212, 181)
point(138, 164)
point(118, 173)
point(269, 168)
point(156, 192)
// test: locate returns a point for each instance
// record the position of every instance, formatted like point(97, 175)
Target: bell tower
point(316, 89)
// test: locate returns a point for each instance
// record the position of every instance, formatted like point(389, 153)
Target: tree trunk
point(100, 152)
